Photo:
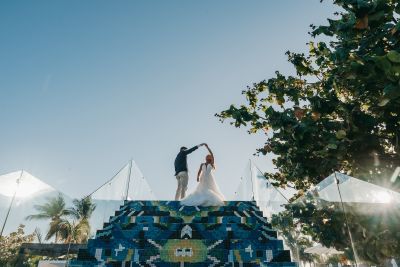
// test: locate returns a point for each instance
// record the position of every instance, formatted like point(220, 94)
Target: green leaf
point(332, 146)
point(376, 16)
point(383, 63)
point(394, 56)
point(384, 101)
point(391, 91)
point(340, 134)
point(396, 70)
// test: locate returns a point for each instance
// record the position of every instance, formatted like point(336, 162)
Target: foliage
point(79, 230)
point(82, 209)
point(374, 227)
point(293, 236)
point(340, 112)
point(334, 260)
point(342, 109)
point(54, 210)
point(9, 246)
point(75, 231)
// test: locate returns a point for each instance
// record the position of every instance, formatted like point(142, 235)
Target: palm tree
point(81, 213)
point(54, 210)
point(77, 231)
point(71, 232)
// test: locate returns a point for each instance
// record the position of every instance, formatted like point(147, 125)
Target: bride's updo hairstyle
point(210, 160)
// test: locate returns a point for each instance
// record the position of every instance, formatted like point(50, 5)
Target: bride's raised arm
point(212, 156)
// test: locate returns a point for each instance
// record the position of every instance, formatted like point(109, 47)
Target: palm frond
point(39, 216)
point(83, 208)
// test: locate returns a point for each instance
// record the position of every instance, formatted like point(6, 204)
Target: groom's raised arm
point(192, 149)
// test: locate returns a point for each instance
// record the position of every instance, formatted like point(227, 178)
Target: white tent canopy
point(255, 186)
point(353, 190)
point(29, 191)
point(22, 184)
point(128, 184)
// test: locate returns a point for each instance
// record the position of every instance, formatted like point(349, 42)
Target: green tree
point(342, 109)
point(55, 211)
point(81, 213)
point(340, 112)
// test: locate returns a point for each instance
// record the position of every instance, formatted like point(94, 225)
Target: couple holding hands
point(207, 192)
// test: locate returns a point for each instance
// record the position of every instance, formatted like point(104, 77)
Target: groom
point(181, 170)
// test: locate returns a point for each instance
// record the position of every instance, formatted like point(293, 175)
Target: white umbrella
point(321, 250)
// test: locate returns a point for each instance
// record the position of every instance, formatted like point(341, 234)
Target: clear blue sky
point(87, 85)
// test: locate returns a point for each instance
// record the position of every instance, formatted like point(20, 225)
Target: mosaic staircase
point(164, 233)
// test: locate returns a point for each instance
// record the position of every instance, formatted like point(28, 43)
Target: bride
point(207, 192)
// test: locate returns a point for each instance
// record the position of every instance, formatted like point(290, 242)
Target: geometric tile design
point(164, 233)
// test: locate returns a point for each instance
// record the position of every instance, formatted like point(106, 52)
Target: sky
point(85, 86)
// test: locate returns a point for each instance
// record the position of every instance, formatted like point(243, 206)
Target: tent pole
point(12, 201)
point(129, 180)
point(347, 222)
point(251, 177)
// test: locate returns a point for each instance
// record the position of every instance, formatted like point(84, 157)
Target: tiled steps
point(165, 233)
point(238, 244)
point(132, 231)
point(152, 211)
point(170, 220)
point(208, 213)
point(187, 255)
point(205, 263)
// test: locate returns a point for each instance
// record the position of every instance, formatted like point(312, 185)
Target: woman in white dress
point(207, 192)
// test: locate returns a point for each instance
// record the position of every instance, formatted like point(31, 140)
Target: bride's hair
point(209, 160)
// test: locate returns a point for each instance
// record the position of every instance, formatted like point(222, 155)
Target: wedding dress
point(207, 192)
